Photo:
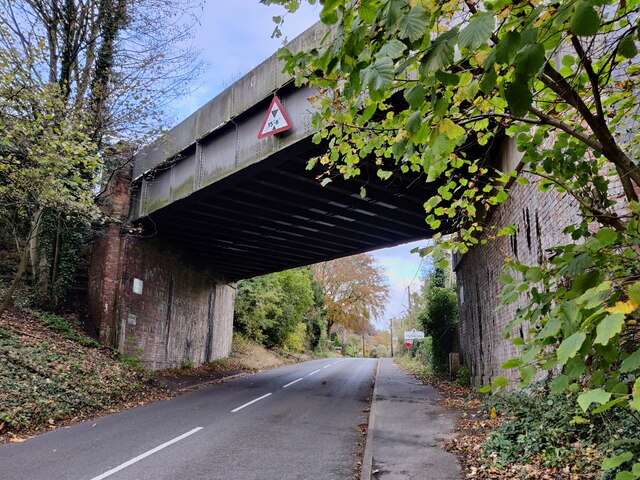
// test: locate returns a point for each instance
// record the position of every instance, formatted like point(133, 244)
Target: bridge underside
point(275, 215)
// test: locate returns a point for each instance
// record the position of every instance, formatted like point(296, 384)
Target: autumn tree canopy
point(355, 291)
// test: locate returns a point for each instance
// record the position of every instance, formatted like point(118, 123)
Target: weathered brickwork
point(540, 217)
point(151, 302)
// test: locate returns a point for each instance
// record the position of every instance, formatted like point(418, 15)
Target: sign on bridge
point(276, 120)
point(411, 335)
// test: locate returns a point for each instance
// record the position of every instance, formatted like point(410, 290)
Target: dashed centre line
point(327, 366)
point(108, 473)
point(291, 383)
point(249, 403)
point(313, 373)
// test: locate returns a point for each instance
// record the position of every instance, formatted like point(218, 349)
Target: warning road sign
point(276, 120)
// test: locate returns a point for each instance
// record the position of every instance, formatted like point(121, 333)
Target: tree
point(115, 64)
point(270, 308)
point(119, 61)
point(423, 86)
point(355, 291)
point(46, 162)
point(439, 317)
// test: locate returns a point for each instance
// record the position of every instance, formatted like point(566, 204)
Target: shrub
point(550, 429)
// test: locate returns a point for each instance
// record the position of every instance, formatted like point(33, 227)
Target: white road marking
point(327, 366)
point(249, 403)
point(291, 383)
point(146, 454)
point(312, 373)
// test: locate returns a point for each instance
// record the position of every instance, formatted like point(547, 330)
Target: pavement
point(407, 428)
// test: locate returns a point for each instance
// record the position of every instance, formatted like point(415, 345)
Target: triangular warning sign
point(276, 120)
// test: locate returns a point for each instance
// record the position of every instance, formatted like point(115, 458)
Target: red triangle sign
point(276, 120)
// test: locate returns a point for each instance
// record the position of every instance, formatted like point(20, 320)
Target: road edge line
point(367, 458)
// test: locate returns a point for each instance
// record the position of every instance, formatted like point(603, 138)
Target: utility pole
point(391, 329)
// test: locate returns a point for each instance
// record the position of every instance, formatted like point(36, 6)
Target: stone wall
point(540, 217)
point(151, 301)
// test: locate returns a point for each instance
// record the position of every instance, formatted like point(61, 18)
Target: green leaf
point(380, 74)
point(413, 25)
point(627, 47)
point(635, 403)
point(606, 236)
point(610, 404)
point(500, 382)
point(609, 327)
point(414, 122)
point(626, 476)
point(394, 48)
point(485, 389)
point(440, 52)
point(367, 10)
point(415, 96)
point(533, 274)
point(597, 395)
point(513, 363)
point(634, 292)
point(631, 363)
point(529, 60)
point(325, 181)
point(478, 30)
point(551, 328)
point(527, 373)
point(615, 461)
point(570, 346)
point(571, 311)
point(508, 47)
point(559, 384)
point(368, 112)
point(450, 129)
point(585, 21)
point(506, 278)
point(519, 98)
point(489, 80)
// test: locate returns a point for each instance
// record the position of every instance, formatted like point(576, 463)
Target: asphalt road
point(295, 422)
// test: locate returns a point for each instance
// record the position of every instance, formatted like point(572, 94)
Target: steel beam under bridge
point(245, 206)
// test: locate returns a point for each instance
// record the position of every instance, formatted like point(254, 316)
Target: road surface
point(295, 422)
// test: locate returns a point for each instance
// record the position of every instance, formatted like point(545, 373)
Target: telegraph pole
point(391, 328)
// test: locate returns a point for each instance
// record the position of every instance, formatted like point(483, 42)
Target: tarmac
point(407, 429)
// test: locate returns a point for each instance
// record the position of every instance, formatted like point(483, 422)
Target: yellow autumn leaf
point(623, 307)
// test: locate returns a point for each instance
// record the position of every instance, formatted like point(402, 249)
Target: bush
point(550, 429)
point(296, 341)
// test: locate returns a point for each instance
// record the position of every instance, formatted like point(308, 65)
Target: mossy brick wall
point(541, 217)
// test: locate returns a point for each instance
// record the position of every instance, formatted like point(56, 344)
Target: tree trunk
point(32, 244)
point(329, 325)
point(6, 301)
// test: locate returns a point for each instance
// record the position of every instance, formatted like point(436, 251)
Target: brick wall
point(540, 217)
point(150, 300)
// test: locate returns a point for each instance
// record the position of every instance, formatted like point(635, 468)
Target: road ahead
point(295, 422)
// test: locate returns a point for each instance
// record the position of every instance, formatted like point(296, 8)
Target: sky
point(235, 36)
